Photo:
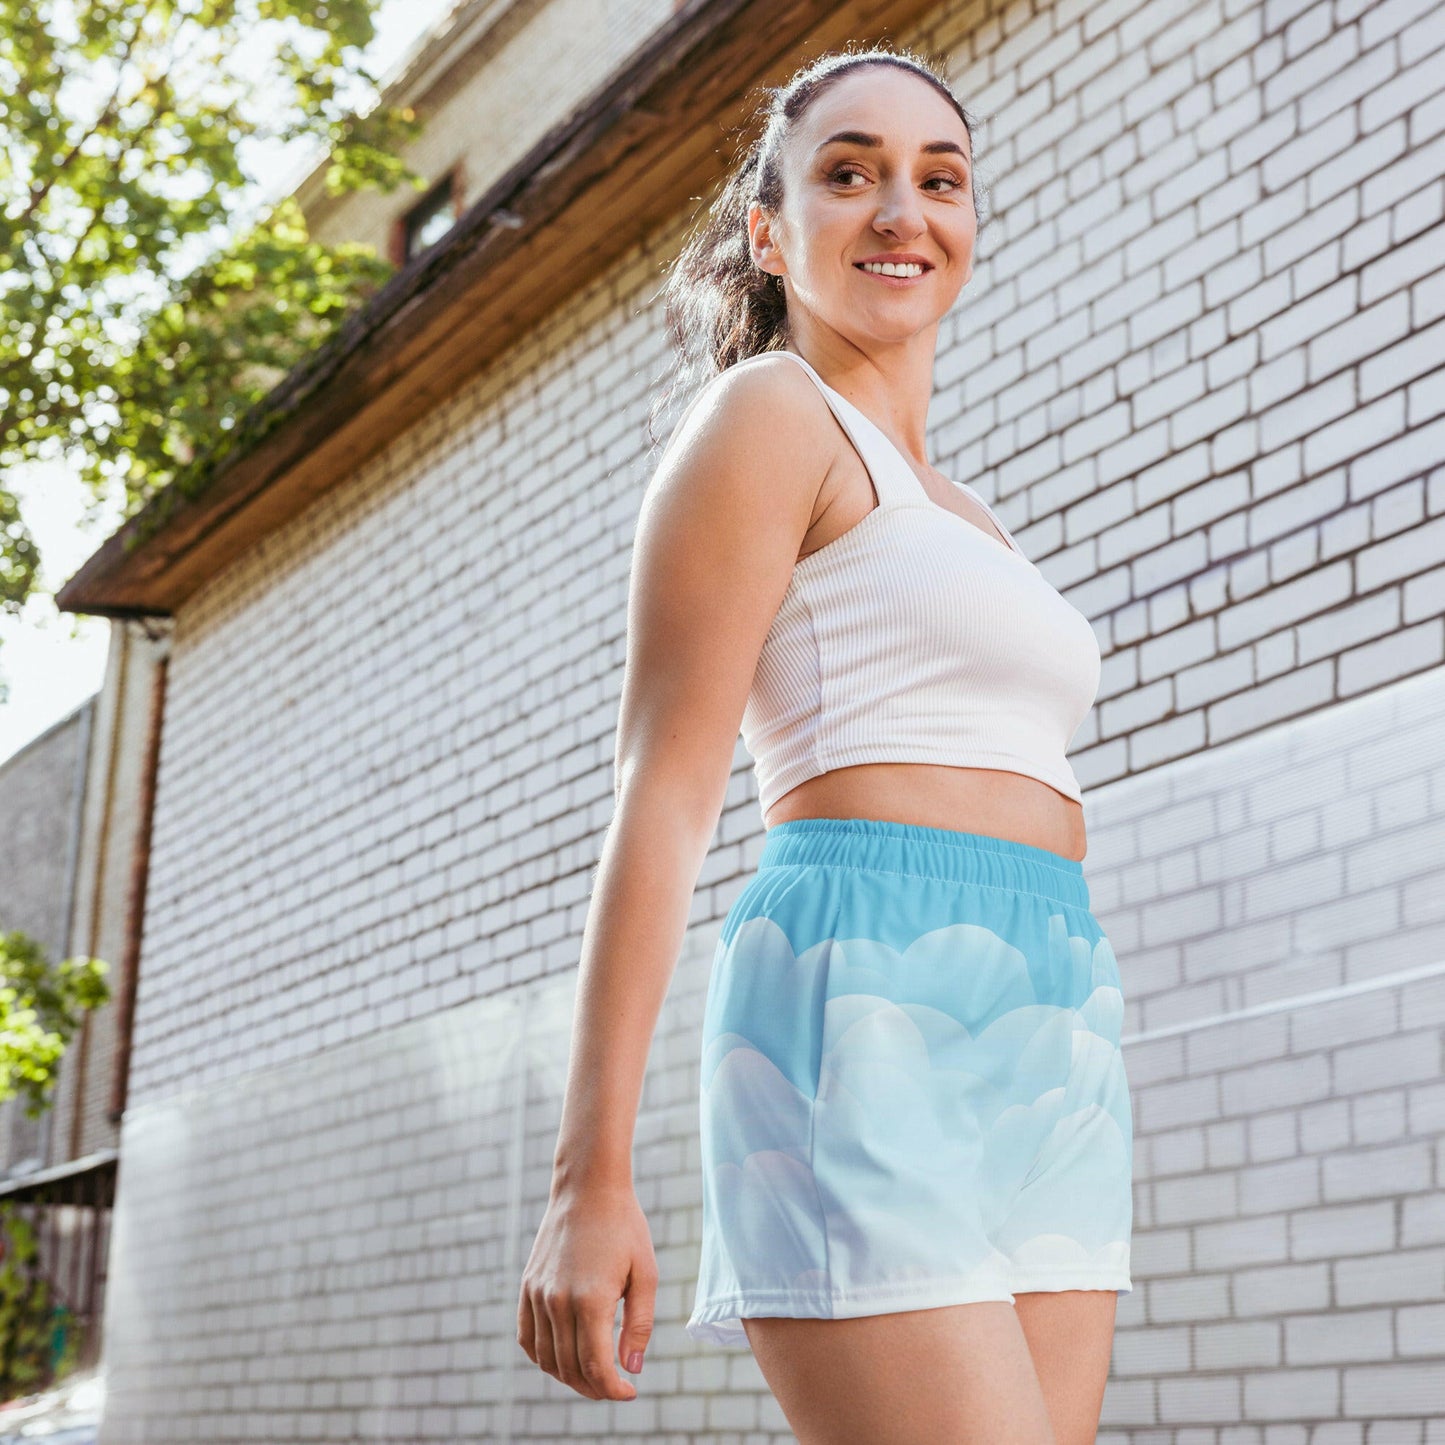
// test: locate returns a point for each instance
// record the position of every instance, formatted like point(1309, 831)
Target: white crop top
point(916, 637)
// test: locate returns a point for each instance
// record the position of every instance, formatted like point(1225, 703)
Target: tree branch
point(39, 193)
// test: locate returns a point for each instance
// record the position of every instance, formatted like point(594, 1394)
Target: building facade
point(1198, 372)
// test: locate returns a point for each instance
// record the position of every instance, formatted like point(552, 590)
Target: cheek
point(823, 217)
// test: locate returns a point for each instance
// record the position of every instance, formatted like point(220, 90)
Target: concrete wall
point(1194, 370)
point(38, 798)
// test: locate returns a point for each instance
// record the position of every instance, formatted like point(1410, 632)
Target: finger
point(546, 1337)
point(639, 1308)
point(526, 1325)
point(594, 1354)
point(564, 1334)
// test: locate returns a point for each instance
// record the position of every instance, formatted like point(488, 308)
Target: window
point(430, 219)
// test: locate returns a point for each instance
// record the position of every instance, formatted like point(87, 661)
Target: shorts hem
point(1056, 1280)
point(719, 1319)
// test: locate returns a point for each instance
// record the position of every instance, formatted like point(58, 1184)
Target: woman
point(916, 1128)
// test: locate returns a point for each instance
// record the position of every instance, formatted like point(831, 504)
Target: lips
point(894, 261)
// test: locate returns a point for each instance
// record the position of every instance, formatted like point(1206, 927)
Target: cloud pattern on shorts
point(940, 1065)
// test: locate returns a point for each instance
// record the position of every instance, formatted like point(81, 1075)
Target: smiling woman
point(915, 1126)
point(831, 193)
point(723, 303)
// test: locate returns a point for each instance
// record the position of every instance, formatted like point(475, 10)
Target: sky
point(52, 661)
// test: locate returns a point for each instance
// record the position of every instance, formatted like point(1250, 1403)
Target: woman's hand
point(593, 1248)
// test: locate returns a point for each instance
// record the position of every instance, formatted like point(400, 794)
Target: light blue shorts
point(912, 1093)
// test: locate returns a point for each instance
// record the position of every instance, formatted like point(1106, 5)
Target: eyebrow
point(862, 138)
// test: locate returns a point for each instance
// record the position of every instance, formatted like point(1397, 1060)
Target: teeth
point(889, 268)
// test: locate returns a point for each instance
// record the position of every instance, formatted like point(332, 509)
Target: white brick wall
point(1275, 904)
point(1201, 372)
point(1195, 372)
point(332, 1249)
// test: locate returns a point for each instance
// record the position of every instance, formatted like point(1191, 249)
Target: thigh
point(958, 1373)
point(1070, 1336)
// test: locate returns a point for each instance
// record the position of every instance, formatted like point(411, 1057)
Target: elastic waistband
point(926, 852)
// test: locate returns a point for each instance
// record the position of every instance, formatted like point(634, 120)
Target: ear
point(766, 255)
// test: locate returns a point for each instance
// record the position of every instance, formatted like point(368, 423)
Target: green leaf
point(145, 309)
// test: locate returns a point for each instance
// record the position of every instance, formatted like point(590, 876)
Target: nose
point(900, 211)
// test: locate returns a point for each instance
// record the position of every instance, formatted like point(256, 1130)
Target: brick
point(1412, 260)
point(1396, 461)
point(1198, 1197)
point(1365, 337)
point(1282, 1290)
point(1236, 1243)
point(1306, 30)
point(1311, 70)
point(1213, 414)
point(1425, 398)
point(1096, 431)
point(1331, 633)
point(1365, 75)
point(1363, 1334)
point(1346, 173)
point(1407, 651)
point(1379, 22)
point(1406, 1058)
point(1366, 1174)
point(1305, 243)
point(1391, 183)
point(1380, 1391)
point(1424, 596)
point(1394, 366)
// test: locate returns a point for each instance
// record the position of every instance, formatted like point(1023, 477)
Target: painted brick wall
point(1278, 904)
point(332, 1248)
point(1201, 372)
point(1195, 371)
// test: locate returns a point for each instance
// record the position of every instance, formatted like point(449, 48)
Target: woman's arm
point(720, 528)
point(718, 533)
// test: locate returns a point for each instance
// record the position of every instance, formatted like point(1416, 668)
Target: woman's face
point(899, 183)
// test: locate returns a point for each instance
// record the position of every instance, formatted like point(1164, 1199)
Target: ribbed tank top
point(915, 637)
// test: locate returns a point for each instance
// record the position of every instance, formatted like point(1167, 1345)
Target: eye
point(845, 170)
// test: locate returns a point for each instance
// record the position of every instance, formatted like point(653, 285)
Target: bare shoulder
point(718, 536)
point(762, 424)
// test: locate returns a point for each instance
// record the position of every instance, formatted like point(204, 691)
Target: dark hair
point(720, 308)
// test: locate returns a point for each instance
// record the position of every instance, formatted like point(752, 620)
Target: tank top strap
point(894, 480)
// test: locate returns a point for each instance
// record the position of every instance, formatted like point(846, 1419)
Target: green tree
point(147, 300)
point(40, 1009)
point(41, 1006)
point(30, 1313)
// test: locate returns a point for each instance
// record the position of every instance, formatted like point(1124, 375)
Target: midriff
point(971, 800)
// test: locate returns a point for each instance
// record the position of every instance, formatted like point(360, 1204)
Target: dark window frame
point(445, 196)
